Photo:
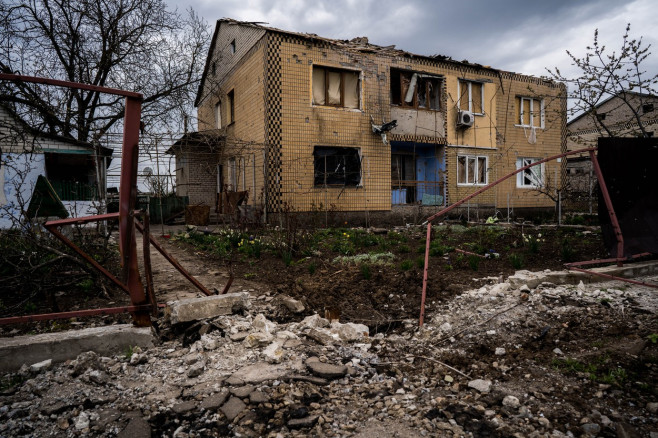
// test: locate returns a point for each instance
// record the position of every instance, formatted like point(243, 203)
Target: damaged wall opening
point(417, 173)
point(336, 87)
point(336, 166)
point(415, 90)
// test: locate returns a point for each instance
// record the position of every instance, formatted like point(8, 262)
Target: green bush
point(516, 260)
point(406, 265)
point(474, 262)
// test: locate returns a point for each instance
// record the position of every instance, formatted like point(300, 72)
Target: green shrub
point(567, 251)
point(516, 260)
point(420, 262)
point(404, 249)
point(474, 262)
point(406, 265)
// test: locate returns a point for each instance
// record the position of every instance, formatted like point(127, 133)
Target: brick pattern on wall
point(273, 134)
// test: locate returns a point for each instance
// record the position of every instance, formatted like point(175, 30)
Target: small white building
point(73, 170)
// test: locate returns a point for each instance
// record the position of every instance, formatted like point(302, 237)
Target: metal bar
point(148, 272)
point(495, 183)
point(82, 220)
point(173, 261)
point(67, 84)
point(611, 211)
point(469, 253)
point(421, 320)
point(600, 261)
point(612, 277)
point(74, 314)
point(127, 199)
point(53, 229)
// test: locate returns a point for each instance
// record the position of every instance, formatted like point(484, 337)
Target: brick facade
point(277, 127)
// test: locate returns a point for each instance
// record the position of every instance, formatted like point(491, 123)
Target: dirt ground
point(495, 358)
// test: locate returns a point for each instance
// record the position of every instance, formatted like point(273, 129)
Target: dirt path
point(171, 285)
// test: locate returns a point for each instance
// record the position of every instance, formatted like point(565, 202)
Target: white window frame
point(476, 159)
point(462, 82)
point(532, 112)
point(536, 173)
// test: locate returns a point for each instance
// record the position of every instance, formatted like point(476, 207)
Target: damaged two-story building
point(303, 122)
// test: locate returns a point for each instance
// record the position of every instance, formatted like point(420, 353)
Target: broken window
point(471, 96)
point(232, 46)
point(530, 112)
point(231, 106)
point(335, 87)
point(647, 108)
point(416, 90)
point(532, 177)
point(472, 170)
point(336, 166)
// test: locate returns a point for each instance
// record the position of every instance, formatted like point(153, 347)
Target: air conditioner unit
point(464, 119)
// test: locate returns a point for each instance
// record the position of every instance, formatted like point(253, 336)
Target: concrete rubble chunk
point(297, 423)
point(325, 370)
point(314, 321)
point(62, 346)
point(321, 336)
point(257, 373)
point(184, 407)
point(274, 352)
point(257, 397)
point(242, 391)
point(257, 339)
point(291, 304)
point(263, 324)
point(483, 386)
point(350, 331)
point(232, 408)
point(214, 401)
point(511, 402)
point(41, 366)
point(195, 309)
point(136, 428)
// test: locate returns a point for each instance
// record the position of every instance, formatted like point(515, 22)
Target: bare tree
point(135, 45)
point(605, 73)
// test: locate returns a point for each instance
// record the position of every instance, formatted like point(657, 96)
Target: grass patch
point(406, 265)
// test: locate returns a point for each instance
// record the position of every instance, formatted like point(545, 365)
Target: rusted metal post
point(148, 272)
point(127, 198)
point(611, 211)
point(428, 239)
point(172, 260)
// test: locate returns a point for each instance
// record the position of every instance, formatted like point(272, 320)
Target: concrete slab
point(62, 346)
point(629, 270)
point(194, 309)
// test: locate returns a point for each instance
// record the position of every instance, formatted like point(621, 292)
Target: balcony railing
point(75, 191)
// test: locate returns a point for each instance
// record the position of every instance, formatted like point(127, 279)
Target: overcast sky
point(524, 36)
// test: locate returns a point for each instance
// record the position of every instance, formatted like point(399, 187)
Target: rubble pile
point(497, 361)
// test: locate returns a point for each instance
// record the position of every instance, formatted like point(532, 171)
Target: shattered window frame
point(528, 116)
point(468, 93)
point(344, 75)
point(402, 80)
point(336, 166)
point(472, 170)
point(531, 178)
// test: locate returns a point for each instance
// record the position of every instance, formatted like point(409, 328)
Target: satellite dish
point(147, 171)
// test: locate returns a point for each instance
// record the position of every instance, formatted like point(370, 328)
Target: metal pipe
point(172, 260)
point(75, 314)
point(612, 277)
point(427, 262)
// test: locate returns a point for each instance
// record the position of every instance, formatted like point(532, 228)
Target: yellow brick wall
point(275, 115)
point(515, 140)
point(246, 136)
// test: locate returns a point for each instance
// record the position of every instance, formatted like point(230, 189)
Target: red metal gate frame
point(143, 304)
point(606, 196)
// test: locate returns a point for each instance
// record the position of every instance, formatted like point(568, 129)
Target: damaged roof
point(358, 44)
